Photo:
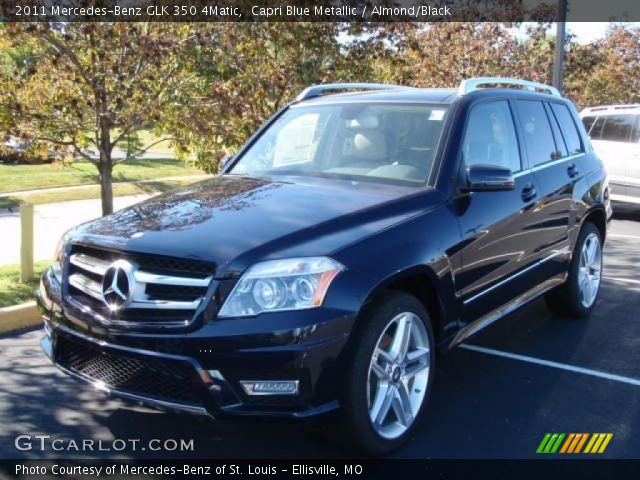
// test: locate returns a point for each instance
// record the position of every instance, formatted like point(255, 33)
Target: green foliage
point(207, 87)
point(91, 86)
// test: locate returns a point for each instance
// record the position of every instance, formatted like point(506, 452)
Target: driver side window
point(490, 137)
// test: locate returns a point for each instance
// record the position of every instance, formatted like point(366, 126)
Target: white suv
point(614, 131)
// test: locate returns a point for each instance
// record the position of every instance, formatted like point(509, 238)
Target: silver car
point(614, 131)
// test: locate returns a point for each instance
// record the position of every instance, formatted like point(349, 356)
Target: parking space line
point(620, 235)
point(547, 363)
point(623, 280)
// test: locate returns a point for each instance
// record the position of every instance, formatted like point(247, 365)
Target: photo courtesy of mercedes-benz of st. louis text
point(363, 230)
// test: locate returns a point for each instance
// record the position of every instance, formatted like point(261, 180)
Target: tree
point(92, 85)
point(607, 71)
point(246, 72)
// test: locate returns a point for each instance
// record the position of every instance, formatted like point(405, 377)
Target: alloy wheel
point(398, 375)
point(590, 270)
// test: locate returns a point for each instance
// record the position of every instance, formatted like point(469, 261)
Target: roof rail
point(605, 108)
point(473, 84)
point(321, 89)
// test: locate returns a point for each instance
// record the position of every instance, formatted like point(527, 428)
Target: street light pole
point(558, 64)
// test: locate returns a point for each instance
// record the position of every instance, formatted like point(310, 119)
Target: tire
point(574, 298)
point(366, 385)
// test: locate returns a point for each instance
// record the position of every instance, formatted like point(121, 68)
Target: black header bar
point(313, 11)
point(318, 469)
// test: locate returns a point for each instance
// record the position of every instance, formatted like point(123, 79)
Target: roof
point(435, 95)
point(372, 92)
point(606, 109)
point(421, 95)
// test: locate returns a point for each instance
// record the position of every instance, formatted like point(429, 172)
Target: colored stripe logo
point(574, 443)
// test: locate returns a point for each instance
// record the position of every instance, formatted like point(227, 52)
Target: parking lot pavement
point(528, 374)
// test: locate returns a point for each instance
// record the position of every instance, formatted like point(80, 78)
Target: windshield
point(383, 142)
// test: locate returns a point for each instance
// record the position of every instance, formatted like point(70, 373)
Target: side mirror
point(224, 163)
point(488, 178)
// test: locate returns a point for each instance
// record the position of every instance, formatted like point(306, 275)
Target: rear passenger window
point(568, 127)
point(588, 123)
point(538, 138)
point(490, 137)
point(617, 128)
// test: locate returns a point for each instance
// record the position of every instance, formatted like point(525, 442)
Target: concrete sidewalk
point(51, 221)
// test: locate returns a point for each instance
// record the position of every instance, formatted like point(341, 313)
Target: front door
point(497, 244)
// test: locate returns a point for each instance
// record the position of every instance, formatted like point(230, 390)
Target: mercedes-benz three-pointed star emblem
point(118, 285)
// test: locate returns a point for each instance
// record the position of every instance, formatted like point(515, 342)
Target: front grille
point(165, 379)
point(153, 263)
point(160, 291)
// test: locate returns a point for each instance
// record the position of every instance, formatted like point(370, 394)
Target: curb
point(19, 317)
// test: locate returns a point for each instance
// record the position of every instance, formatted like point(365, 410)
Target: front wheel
point(390, 377)
point(577, 296)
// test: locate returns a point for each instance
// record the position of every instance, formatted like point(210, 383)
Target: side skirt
point(507, 308)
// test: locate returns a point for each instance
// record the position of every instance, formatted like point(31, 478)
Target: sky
point(585, 32)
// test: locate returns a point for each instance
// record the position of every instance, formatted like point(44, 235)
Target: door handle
point(529, 192)
point(572, 170)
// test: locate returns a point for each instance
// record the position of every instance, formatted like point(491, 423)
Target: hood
point(239, 220)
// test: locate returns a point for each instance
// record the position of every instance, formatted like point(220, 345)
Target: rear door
point(555, 170)
point(497, 242)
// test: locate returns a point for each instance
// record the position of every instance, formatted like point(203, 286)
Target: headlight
point(58, 258)
point(276, 285)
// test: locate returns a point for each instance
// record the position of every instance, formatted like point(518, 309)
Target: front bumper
point(200, 371)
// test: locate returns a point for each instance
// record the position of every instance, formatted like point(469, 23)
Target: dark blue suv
point(352, 237)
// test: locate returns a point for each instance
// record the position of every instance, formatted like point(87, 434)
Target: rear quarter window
point(568, 128)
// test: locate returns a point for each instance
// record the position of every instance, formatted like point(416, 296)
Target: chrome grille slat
point(86, 285)
point(91, 264)
point(88, 266)
point(146, 277)
point(165, 304)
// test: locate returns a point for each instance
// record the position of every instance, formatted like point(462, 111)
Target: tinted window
point(588, 123)
point(490, 137)
point(596, 129)
point(568, 127)
point(538, 138)
point(635, 136)
point(618, 128)
point(557, 135)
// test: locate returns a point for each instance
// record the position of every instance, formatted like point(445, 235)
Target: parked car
point(14, 151)
point(614, 131)
point(353, 236)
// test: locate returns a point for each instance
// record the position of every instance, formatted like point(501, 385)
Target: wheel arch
point(421, 282)
point(598, 217)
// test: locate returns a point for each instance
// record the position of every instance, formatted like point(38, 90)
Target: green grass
point(27, 177)
point(14, 292)
point(93, 192)
point(146, 137)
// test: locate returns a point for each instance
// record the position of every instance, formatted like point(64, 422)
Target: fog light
point(270, 387)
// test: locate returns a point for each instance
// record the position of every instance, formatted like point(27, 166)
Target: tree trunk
point(106, 189)
point(106, 166)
